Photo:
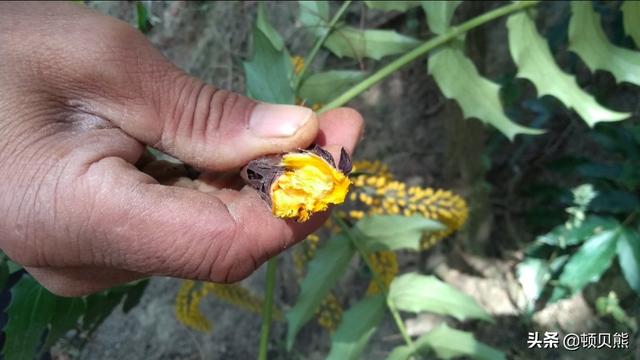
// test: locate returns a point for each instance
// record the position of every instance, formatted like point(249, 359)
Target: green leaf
point(355, 43)
point(262, 23)
point(629, 257)
point(134, 293)
point(99, 306)
point(142, 18)
point(439, 14)
point(314, 15)
point(401, 6)
point(401, 352)
point(588, 40)
point(615, 201)
point(418, 293)
point(449, 343)
point(4, 272)
point(324, 271)
point(478, 97)
point(30, 311)
point(531, 54)
point(323, 87)
point(587, 264)
point(630, 17)
point(268, 73)
point(66, 316)
point(563, 235)
point(357, 326)
point(394, 232)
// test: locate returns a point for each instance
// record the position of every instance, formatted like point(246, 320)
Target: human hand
point(81, 94)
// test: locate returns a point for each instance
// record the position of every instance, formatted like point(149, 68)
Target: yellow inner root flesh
point(308, 185)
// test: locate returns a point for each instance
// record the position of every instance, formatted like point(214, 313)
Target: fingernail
point(274, 121)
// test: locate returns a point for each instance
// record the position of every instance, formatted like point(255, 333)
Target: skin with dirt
point(409, 126)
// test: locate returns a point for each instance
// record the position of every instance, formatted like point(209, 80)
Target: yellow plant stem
point(423, 49)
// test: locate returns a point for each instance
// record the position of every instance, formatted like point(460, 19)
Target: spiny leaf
point(439, 14)
point(30, 311)
point(631, 19)
point(357, 326)
point(325, 269)
point(355, 43)
point(588, 40)
point(629, 257)
point(478, 97)
point(587, 264)
point(392, 5)
point(394, 232)
point(323, 87)
point(450, 343)
point(419, 293)
point(535, 63)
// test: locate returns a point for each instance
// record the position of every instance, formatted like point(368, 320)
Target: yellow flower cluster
point(385, 264)
point(304, 252)
point(191, 293)
point(298, 64)
point(375, 188)
point(188, 307)
point(329, 313)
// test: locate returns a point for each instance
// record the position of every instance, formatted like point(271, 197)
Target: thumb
point(210, 128)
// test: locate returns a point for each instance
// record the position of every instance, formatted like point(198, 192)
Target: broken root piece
point(298, 184)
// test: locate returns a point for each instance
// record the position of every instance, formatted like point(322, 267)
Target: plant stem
point(267, 308)
point(423, 49)
point(318, 44)
point(376, 277)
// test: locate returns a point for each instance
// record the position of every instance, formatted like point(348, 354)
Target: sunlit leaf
point(587, 264)
point(269, 71)
point(458, 79)
point(323, 87)
point(532, 275)
point(355, 330)
point(29, 311)
point(588, 40)
point(401, 352)
point(450, 343)
point(535, 63)
point(629, 257)
point(562, 235)
point(439, 14)
point(314, 15)
point(394, 232)
point(355, 43)
point(324, 271)
point(419, 293)
point(631, 19)
point(262, 23)
point(392, 5)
